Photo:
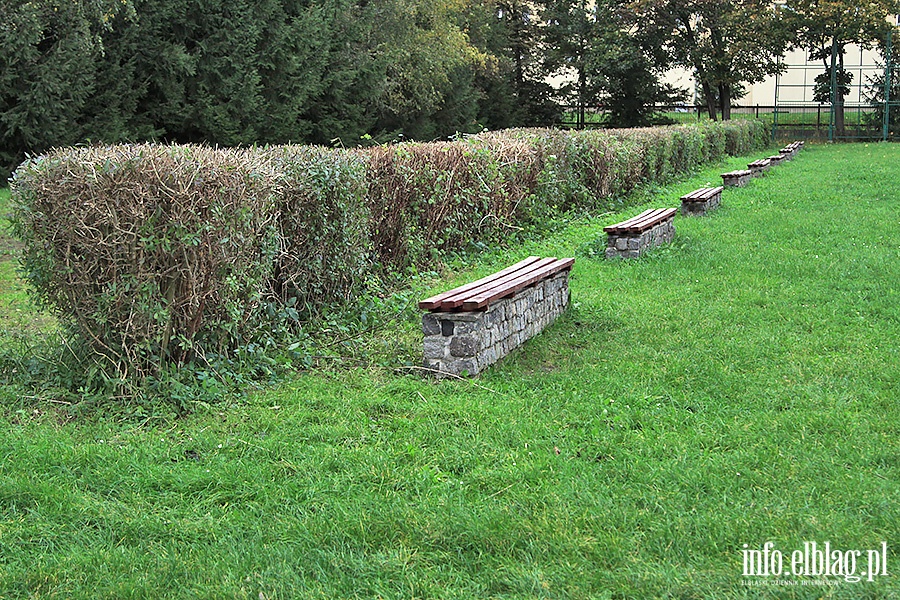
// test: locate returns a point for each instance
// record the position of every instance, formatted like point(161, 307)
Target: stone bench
point(789, 151)
point(776, 159)
point(736, 178)
point(631, 238)
point(759, 167)
point(701, 201)
point(473, 326)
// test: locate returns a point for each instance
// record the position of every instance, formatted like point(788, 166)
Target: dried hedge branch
point(148, 250)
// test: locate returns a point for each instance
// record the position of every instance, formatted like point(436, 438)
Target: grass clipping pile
point(152, 254)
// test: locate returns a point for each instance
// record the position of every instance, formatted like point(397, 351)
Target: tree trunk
point(710, 100)
point(685, 19)
point(582, 85)
point(725, 100)
point(839, 99)
point(515, 16)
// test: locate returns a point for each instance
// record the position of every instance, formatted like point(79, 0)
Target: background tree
point(513, 83)
point(573, 38)
point(632, 62)
point(425, 63)
point(48, 62)
point(613, 59)
point(728, 44)
point(875, 94)
point(825, 29)
point(236, 72)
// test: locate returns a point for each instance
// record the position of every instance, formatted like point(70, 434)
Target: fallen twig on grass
point(469, 381)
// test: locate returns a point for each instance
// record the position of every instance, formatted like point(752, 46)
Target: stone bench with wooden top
point(699, 202)
point(631, 238)
point(789, 151)
point(473, 326)
point(759, 167)
point(736, 178)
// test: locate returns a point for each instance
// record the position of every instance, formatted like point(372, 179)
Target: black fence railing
point(786, 121)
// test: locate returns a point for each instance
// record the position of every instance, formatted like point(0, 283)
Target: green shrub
point(152, 254)
point(322, 215)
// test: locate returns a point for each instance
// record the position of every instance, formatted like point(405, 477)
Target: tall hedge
point(155, 254)
point(151, 253)
point(434, 198)
point(322, 216)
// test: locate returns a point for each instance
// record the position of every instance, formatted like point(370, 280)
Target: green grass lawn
point(737, 387)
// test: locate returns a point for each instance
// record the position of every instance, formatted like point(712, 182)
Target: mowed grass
point(737, 387)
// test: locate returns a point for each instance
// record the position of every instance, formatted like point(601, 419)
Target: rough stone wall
point(459, 343)
point(700, 208)
point(633, 245)
point(736, 178)
point(758, 170)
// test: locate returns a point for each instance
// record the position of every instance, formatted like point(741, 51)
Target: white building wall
point(795, 85)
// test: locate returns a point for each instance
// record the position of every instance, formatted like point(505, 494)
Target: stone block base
point(699, 209)
point(465, 343)
point(736, 178)
point(633, 245)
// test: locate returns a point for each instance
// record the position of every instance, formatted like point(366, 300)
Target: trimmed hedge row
point(429, 199)
point(159, 254)
point(149, 252)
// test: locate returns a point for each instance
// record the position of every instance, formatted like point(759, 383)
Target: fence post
point(887, 88)
point(833, 90)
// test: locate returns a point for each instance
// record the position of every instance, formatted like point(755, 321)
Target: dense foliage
point(825, 29)
point(358, 72)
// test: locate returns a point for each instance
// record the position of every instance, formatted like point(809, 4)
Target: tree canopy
point(239, 72)
point(825, 29)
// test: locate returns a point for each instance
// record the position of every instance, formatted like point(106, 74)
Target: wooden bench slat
point(695, 195)
point(655, 216)
point(702, 195)
point(641, 222)
point(626, 225)
point(628, 222)
point(516, 284)
point(435, 301)
point(457, 300)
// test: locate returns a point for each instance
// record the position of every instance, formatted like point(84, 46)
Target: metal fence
point(796, 121)
point(870, 111)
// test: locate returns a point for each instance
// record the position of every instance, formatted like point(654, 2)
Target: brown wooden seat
point(702, 195)
point(479, 294)
point(642, 222)
point(760, 164)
